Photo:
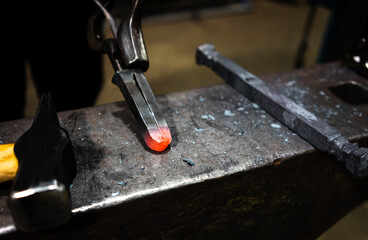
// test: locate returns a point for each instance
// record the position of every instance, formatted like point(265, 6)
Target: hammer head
point(40, 198)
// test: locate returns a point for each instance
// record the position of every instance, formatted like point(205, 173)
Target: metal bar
point(304, 123)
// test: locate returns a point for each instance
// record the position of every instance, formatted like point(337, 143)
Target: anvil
point(232, 169)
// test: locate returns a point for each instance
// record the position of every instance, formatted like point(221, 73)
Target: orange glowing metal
point(158, 140)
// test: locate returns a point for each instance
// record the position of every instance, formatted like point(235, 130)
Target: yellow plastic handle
point(8, 162)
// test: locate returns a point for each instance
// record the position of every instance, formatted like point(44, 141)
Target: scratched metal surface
point(215, 128)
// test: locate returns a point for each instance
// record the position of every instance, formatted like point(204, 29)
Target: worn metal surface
point(251, 175)
point(313, 129)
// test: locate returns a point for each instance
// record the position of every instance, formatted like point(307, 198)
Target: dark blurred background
point(264, 36)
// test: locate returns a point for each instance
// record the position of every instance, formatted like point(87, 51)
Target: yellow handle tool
point(8, 162)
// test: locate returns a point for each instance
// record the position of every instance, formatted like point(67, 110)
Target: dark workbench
point(251, 175)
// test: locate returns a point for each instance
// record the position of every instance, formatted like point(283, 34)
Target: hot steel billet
point(314, 130)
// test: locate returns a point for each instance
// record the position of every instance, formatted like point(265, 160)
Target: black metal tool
point(39, 198)
point(314, 130)
point(357, 59)
point(128, 56)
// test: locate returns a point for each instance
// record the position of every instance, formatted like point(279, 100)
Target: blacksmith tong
point(128, 56)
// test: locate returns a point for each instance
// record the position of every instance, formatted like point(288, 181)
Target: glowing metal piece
point(158, 140)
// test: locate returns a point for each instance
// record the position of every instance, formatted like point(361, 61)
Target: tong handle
point(130, 39)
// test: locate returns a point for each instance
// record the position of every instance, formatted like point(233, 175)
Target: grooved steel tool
point(314, 130)
point(128, 56)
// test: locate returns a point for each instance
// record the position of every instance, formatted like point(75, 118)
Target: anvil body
point(249, 175)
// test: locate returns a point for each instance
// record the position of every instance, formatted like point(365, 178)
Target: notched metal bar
point(314, 130)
